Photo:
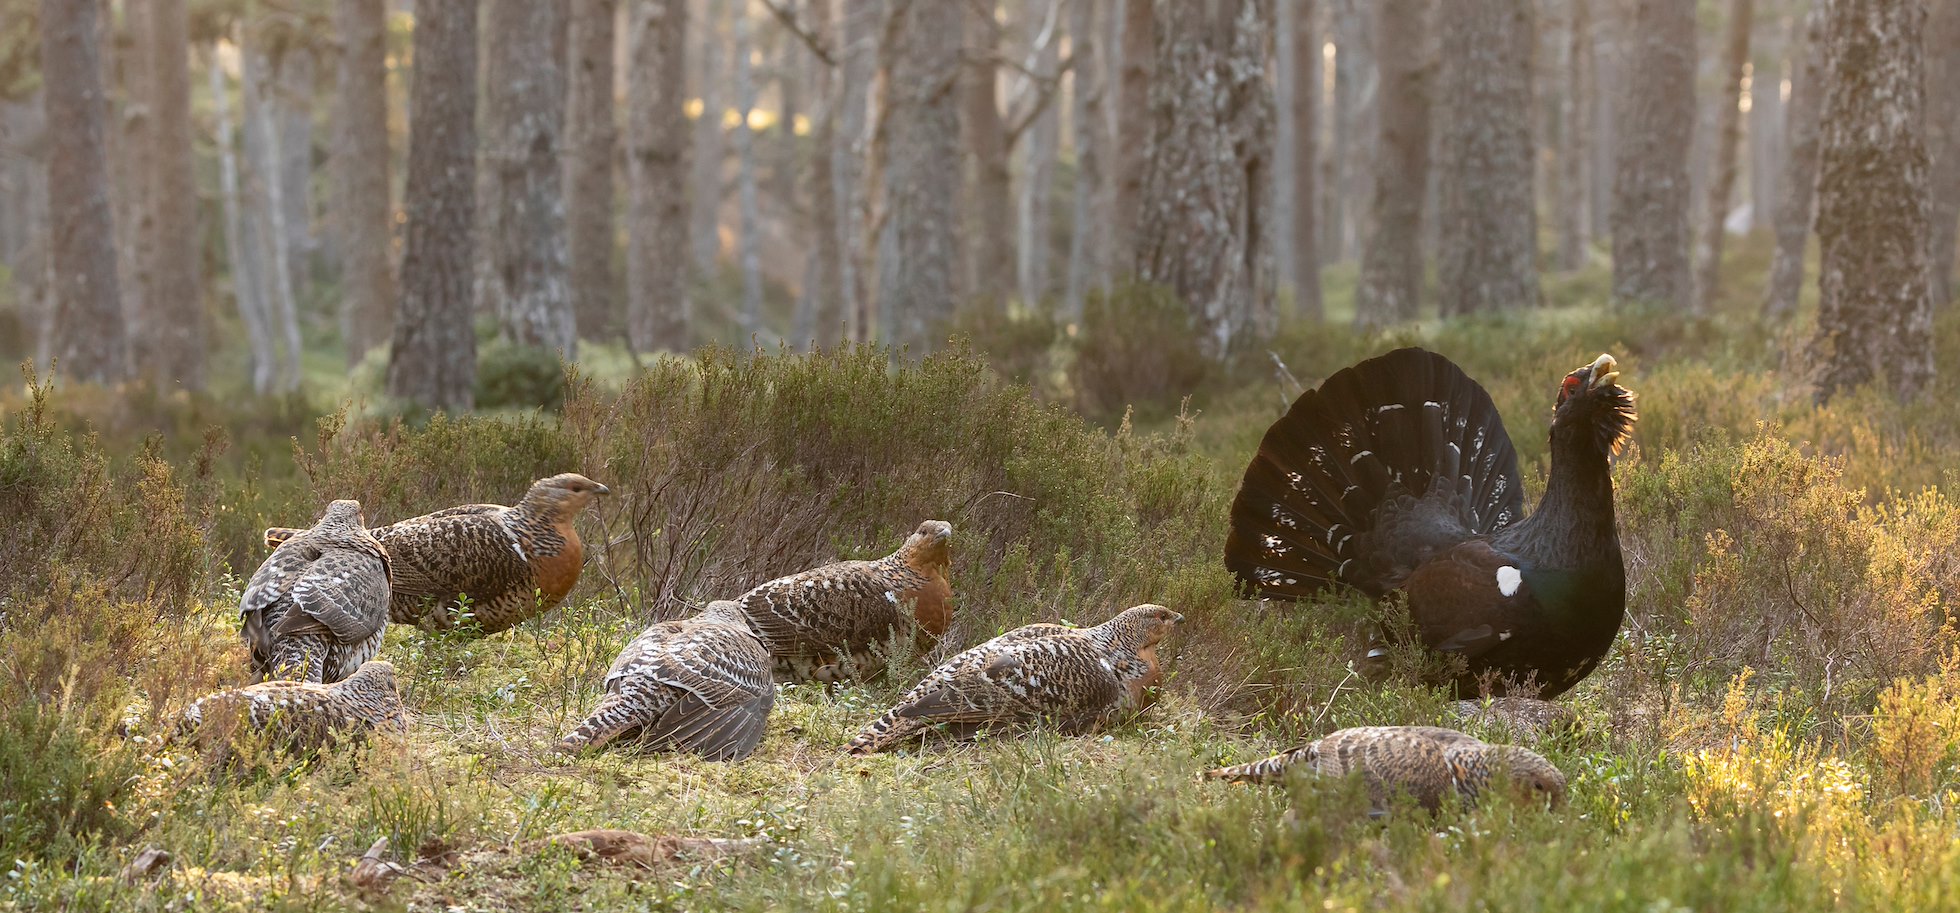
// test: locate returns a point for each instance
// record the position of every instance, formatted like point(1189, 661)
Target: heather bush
point(1137, 347)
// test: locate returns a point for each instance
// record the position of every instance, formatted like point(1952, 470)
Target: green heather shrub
point(1018, 340)
point(731, 470)
point(102, 564)
point(1137, 347)
point(1751, 555)
point(396, 470)
point(511, 376)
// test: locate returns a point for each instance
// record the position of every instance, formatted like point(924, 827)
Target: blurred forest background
point(790, 276)
point(255, 196)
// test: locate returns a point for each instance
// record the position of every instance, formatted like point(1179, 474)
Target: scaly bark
point(433, 362)
point(1875, 307)
point(916, 286)
point(657, 150)
point(1205, 229)
point(88, 319)
point(529, 286)
point(1656, 117)
point(590, 138)
point(1728, 139)
point(1489, 226)
point(1390, 288)
point(1795, 207)
point(363, 211)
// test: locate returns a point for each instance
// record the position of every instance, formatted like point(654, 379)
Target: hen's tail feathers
point(1390, 426)
point(885, 733)
point(276, 536)
point(607, 721)
point(1265, 770)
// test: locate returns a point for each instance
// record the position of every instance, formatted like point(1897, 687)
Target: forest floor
point(1778, 728)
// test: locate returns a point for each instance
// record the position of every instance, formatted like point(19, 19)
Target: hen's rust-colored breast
point(557, 574)
point(1141, 694)
point(933, 604)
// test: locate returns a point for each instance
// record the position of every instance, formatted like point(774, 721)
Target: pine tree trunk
point(292, 105)
point(657, 144)
point(1086, 123)
point(1656, 116)
point(247, 282)
point(433, 361)
point(1765, 153)
point(705, 234)
point(916, 286)
point(1875, 312)
point(1795, 206)
point(1943, 140)
point(1206, 229)
point(177, 307)
point(1608, 55)
point(859, 23)
point(1489, 228)
point(1034, 214)
point(133, 169)
point(1303, 167)
point(749, 228)
point(590, 138)
point(530, 287)
point(88, 319)
point(1390, 287)
point(24, 225)
point(1574, 218)
point(991, 260)
point(262, 155)
point(830, 184)
point(364, 213)
point(1133, 129)
point(1356, 93)
point(1728, 139)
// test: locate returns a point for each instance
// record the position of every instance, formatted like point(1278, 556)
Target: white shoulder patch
point(1508, 579)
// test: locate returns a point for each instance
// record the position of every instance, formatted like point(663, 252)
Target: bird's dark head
point(929, 546)
point(1593, 409)
point(563, 495)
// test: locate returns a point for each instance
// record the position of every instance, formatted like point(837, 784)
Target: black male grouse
point(1397, 475)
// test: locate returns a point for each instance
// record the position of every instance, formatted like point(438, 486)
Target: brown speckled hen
point(512, 563)
point(699, 685)
point(302, 715)
point(1425, 762)
point(1076, 677)
point(316, 607)
point(823, 624)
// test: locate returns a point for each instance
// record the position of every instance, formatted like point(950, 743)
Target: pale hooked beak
point(599, 489)
point(1605, 370)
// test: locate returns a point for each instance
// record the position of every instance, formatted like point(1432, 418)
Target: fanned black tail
point(1378, 433)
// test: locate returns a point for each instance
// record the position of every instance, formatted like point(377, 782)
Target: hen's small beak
point(1605, 370)
point(599, 489)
